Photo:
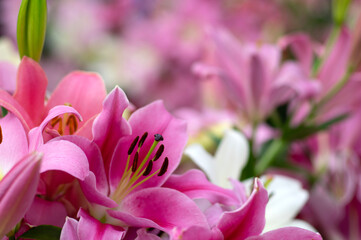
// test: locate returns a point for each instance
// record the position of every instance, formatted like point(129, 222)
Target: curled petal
point(289, 233)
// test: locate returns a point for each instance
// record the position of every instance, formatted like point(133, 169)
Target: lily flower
point(287, 196)
point(78, 89)
point(62, 161)
point(129, 161)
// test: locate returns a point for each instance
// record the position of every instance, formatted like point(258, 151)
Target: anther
point(135, 162)
point(1, 135)
point(164, 167)
point(142, 140)
point(148, 169)
point(159, 152)
point(72, 123)
point(158, 137)
point(54, 121)
point(132, 146)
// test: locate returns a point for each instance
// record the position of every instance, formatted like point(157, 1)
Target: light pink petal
point(289, 233)
point(258, 82)
point(95, 160)
point(84, 91)
point(334, 67)
point(14, 145)
point(17, 191)
point(30, 88)
point(8, 102)
point(90, 228)
point(43, 212)
point(301, 46)
point(195, 185)
point(69, 231)
point(161, 208)
point(142, 234)
point(36, 134)
point(249, 219)
point(110, 126)
point(153, 119)
point(8, 76)
point(196, 232)
point(64, 156)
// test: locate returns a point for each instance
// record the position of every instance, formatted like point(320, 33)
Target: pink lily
point(62, 160)
point(18, 183)
point(253, 76)
point(127, 167)
point(78, 89)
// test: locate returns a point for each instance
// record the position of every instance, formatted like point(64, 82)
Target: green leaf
point(339, 11)
point(31, 28)
point(42, 232)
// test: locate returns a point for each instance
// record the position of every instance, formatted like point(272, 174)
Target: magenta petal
point(110, 126)
point(153, 119)
point(248, 220)
point(69, 231)
point(17, 191)
point(161, 208)
point(90, 228)
point(195, 185)
point(14, 145)
point(43, 212)
point(36, 134)
point(64, 156)
point(8, 102)
point(84, 91)
point(289, 233)
point(196, 232)
point(30, 88)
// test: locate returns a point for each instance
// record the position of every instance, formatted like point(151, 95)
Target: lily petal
point(289, 233)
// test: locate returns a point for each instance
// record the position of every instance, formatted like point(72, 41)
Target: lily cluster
point(81, 163)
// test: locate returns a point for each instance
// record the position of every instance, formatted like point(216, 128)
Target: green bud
point(339, 11)
point(31, 28)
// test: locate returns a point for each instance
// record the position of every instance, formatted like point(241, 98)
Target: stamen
point(141, 142)
point(164, 167)
point(54, 121)
point(148, 169)
point(135, 162)
point(158, 137)
point(1, 135)
point(159, 152)
point(72, 123)
point(132, 146)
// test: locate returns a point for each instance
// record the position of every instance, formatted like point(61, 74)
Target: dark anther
point(1, 135)
point(135, 162)
point(142, 140)
point(159, 152)
point(158, 137)
point(132, 146)
point(164, 167)
point(72, 123)
point(148, 169)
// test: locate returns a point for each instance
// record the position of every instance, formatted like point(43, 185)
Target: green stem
point(270, 155)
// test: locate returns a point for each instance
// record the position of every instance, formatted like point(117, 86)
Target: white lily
point(287, 197)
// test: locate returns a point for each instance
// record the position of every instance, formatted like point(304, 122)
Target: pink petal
point(36, 134)
point(144, 235)
point(335, 66)
point(90, 228)
point(289, 233)
point(17, 191)
point(64, 156)
point(196, 232)
point(195, 185)
point(110, 126)
point(84, 91)
point(161, 208)
point(69, 231)
point(30, 88)
point(8, 102)
point(248, 220)
point(43, 212)
point(14, 145)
